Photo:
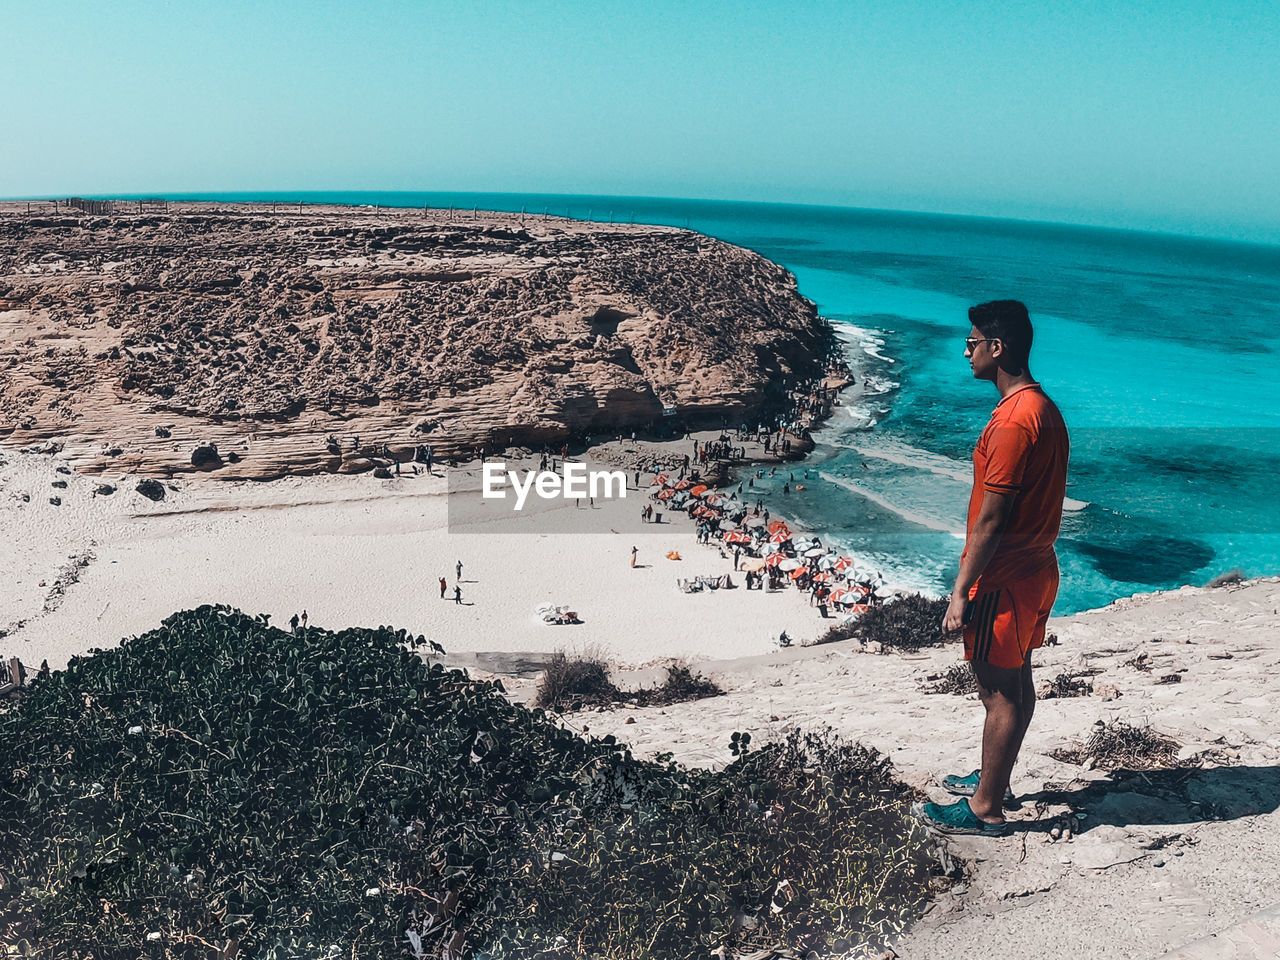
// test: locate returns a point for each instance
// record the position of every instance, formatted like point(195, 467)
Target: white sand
point(360, 551)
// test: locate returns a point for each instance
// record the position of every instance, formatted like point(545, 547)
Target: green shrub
point(218, 780)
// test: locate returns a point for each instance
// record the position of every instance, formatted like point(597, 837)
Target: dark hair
point(1008, 322)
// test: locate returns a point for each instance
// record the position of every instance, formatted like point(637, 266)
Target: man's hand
point(953, 622)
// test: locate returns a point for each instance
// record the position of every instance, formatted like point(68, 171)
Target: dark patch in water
point(1149, 560)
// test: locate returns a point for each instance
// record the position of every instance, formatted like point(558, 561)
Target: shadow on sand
point(1178, 797)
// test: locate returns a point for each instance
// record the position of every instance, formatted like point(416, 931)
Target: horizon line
point(200, 196)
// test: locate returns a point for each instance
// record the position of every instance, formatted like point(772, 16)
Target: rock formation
point(303, 342)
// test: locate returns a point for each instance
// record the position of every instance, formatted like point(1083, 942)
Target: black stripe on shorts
point(984, 623)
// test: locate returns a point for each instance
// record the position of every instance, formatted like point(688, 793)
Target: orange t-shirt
point(1024, 451)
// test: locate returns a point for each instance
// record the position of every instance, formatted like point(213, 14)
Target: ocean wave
point(906, 513)
point(905, 455)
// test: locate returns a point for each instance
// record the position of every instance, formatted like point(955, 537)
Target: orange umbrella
point(683, 485)
point(843, 564)
point(821, 577)
point(782, 536)
point(736, 536)
point(777, 525)
point(661, 480)
point(773, 559)
point(799, 572)
point(666, 494)
point(699, 490)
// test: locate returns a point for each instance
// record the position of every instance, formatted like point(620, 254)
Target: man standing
point(1008, 576)
point(443, 587)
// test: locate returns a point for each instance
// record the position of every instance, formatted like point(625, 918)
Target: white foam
point(912, 516)
point(892, 451)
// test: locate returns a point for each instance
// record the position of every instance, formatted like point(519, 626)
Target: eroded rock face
point(266, 333)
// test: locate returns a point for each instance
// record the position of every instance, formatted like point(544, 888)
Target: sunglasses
point(971, 342)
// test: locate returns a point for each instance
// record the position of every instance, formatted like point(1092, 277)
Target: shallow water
point(1162, 353)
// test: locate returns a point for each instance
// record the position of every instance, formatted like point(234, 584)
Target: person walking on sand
point(1008, 576)
point(457, 594)
point(293, 624)
point(304, 620)
point(633, 558)
point(443, 587)
point(459, 568)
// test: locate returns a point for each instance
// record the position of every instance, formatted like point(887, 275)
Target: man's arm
point(981, 547)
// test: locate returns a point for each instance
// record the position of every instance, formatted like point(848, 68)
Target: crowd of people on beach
point(769, 554)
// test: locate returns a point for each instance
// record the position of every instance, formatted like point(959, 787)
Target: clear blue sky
point(1161, 115)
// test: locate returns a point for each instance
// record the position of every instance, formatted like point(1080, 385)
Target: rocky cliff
point(258, 336)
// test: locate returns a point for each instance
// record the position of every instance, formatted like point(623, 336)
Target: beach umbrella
point(774, 560)
point(790, 564)
point(781, 536)
point(684, 484)
point(736, 536)
point(666, 494)
point(821, 577)
point(842, 564)
point(777, 525)
point(754, 522)
point(728, 525)
point(661, 480)
point(715, 500)
point(842, 596)
point(699, 490)
point(753, 564)
point(815, 552)
point(797, 574)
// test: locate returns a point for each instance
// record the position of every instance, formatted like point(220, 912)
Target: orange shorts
point(1004, 625)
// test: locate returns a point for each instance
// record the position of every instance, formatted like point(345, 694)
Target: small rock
point(1158, 862)
point(65, 470)
point(60, 484)
point(56, 501)
point(631, 720)
point(104, 490)
point(164, 432)
point(205, 457)
point(382, 473)
point(151, 489)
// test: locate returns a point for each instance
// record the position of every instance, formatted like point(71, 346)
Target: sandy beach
point(364, 551)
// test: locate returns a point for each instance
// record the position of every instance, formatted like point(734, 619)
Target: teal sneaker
point(968, 786)
point(956, 818)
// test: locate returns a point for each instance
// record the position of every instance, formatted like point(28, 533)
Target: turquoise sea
point(1162, 353)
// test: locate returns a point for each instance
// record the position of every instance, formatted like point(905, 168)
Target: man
point(1008, 576)
point(443, 587)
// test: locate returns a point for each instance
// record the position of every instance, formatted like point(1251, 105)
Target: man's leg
point(1009, 698)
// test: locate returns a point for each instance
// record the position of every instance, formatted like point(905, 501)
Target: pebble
point(1158, 862)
